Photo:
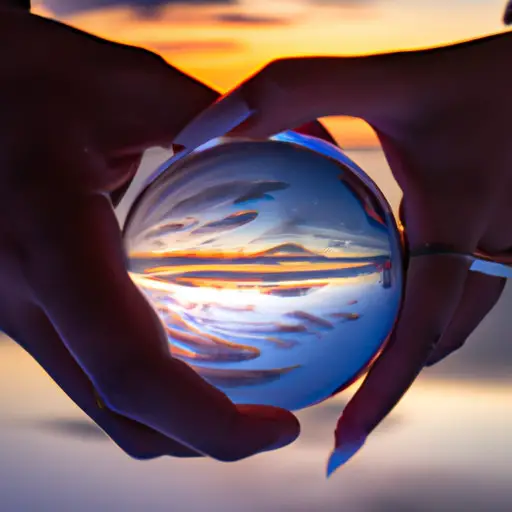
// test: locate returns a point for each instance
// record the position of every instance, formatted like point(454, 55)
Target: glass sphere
point(275, 266)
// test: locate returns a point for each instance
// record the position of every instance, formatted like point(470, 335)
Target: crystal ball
point(275, 266)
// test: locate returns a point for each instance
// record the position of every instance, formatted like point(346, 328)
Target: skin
point(72, 133)
point(443, 117)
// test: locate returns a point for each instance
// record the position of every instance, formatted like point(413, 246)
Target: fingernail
point(342, 454)
point(220, 118)
point(348, 442)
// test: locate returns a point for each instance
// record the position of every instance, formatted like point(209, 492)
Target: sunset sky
point(223, 41)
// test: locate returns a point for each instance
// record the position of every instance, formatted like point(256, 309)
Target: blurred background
point(446, 447)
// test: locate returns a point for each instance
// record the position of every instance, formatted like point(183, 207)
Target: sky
point(446, 447)
point(221, 42)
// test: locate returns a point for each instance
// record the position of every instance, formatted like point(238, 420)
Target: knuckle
point(433, 342)
point(119, 382)
point(456, 345)
point(277, 69)
point(222, 443)
point(274, 65)
point(146, 56)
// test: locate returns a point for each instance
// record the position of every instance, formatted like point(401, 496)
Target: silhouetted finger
point(125, 168)
point(481, 293)
point(289, 93)
point(39, 338)
point(155, 102)
point(434, 287)
point(74, 261)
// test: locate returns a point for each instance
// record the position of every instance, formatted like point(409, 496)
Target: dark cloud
point(251, 19)
point(195, 46)
point(70, 7)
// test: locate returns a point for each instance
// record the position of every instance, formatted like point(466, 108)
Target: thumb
point(262, 429)
point(290, 92)
point(146, 101)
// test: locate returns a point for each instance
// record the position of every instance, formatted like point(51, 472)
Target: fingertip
point(275, 427)
point(348, 440)
point(220, 118)
point(341, 455)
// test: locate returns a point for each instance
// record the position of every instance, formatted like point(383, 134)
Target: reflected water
point(274, 265)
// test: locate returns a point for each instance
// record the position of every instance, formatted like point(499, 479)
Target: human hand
point(77, 113)
point(443, 118)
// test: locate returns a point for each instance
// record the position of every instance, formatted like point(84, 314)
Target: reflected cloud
point(235, 220)
point(241, 378)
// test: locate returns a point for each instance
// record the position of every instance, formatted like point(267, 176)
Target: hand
point(443, 117)
point(77, 113)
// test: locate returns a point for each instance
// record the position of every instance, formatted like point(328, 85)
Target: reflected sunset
point(268, 259)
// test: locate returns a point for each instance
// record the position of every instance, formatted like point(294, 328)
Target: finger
point(39, 338)
point(125, 168)
point(434, 287)
point(481, 293)
point(291, 92)
point(74, 261)
point(388, 90)
point(155, 102)
point(318, 130)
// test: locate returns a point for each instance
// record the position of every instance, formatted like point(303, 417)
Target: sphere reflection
point(275, 266)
